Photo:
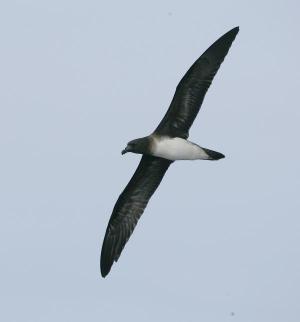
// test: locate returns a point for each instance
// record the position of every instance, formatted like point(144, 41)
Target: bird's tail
point(213, 155)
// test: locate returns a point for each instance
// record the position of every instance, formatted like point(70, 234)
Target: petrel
point(161, 148)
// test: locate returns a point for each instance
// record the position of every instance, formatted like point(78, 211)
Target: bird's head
point(140, 146)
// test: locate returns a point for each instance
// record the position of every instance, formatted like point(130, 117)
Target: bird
point(161, 148)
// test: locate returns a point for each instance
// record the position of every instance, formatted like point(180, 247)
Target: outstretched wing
point(192, 88)
point(129, 208)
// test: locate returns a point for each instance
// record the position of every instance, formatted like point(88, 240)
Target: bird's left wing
point(129, 208)
point(192, 88)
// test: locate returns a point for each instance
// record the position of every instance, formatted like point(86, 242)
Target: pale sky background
point(219, 241)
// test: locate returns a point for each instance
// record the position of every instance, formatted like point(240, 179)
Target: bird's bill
point(124, 151)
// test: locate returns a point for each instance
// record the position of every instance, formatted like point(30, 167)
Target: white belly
point(177, 149)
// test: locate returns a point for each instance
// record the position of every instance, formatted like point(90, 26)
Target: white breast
point(177, 149)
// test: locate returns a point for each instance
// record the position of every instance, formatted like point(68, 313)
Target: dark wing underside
point(129, 208)
point(192, 88)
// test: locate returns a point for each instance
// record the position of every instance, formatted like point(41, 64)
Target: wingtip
point(103, 275)
point(234, 30)
point(105, 266)
point(104, 270)
point(105, 263)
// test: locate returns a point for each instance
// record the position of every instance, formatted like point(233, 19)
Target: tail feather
point(214, 155)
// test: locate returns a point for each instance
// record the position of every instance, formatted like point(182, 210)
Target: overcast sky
point(219, 241)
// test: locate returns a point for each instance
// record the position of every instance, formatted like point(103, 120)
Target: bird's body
point(165, 145)
point(177, 149)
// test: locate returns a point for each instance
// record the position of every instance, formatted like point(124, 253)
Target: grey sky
point(81, 78)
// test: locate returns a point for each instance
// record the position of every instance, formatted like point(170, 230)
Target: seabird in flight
point(165, 145)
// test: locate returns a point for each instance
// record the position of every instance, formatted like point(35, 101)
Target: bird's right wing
point(192, 88)
point(129, 208)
